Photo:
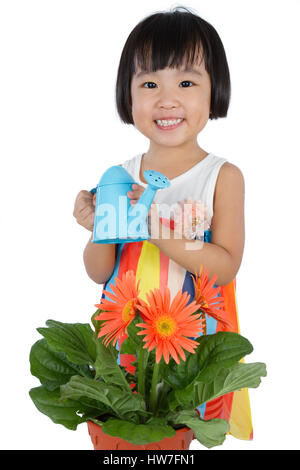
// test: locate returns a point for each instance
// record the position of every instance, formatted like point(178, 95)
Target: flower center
point(196, 221)
point(165, 326)
point(202, 301)
point(128, 311)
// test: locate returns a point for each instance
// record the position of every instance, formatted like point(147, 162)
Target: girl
point(173, 77)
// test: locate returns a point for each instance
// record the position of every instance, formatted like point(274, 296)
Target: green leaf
point(96, 421)
point(228, 380)
point(161, 420)
point(53, 368)
point(132, 331)
point(61, 412)
point(137, 434)
point(73, 339)
point(119, 401)
point(106, 365)
point(129, 347)
point(163, 392)
point(209, 433)
point(222, 349)
point(97, 323)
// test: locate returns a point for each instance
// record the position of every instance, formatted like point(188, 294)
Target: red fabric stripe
point(221, 406)
point(164, 270)
point(167, 222)
point(228, 293)
point(129, 257)
point(128, 261)
point(215, 404)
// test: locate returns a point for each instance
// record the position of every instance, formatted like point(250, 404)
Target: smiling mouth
point(168, 125)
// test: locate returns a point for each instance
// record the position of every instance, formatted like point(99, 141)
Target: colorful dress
point(156, 270)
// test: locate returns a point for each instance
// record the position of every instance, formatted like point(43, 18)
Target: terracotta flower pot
point(101, 441)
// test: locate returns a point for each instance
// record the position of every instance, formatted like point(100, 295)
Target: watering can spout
point(155, 181)
point(116, 221)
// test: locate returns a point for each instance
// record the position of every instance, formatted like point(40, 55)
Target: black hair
point(170, 39)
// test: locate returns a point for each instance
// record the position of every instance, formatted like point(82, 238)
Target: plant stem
point(204, 324)
point(153, 387)
point(143, 359)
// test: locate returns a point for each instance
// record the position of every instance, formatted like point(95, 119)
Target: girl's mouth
point(168, 125)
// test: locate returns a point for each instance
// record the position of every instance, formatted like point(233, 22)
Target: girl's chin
point(170, 143)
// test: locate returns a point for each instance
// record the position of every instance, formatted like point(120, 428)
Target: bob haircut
point(172, 39)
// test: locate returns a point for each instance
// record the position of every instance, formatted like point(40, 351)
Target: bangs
point(169, 46)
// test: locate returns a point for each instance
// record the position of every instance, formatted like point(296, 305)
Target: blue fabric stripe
point(188, 286)
point(211, 324)
point(111, 281)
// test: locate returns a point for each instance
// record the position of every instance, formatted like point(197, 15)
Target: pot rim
point(185, 434)
point(184, 428)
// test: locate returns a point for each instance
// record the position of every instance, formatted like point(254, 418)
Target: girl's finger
point(138, 188)
point(136, 194)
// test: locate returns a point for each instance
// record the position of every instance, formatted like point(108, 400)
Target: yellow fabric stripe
point(148, 269)
point(240, 418)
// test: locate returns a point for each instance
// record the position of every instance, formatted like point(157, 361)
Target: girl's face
point(171, 94)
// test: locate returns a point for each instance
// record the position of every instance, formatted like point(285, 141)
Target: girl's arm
point(223, 255)
point(99, 260)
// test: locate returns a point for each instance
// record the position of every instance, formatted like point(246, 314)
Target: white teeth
point(165, 123)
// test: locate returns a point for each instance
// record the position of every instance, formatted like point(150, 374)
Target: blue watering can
point(116, 221)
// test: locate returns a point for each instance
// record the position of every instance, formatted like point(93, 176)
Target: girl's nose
point(168, 99)
point(167, 105)
point(168, 108)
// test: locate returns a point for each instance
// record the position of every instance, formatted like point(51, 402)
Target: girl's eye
point(187, 81)
point(152, 83)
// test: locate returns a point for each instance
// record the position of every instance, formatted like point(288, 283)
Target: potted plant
point(151, 404)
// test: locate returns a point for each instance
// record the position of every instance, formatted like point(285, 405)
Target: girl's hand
point(135, 194)
point(153, 216)
point(84, 209)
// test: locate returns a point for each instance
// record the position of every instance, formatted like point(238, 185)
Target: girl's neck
point(171, 161)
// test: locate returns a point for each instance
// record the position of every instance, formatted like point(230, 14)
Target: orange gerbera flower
point(120, 310)
point(206, 297)
point(167, 327)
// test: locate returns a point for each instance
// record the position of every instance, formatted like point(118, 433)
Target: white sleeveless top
point(197, 183)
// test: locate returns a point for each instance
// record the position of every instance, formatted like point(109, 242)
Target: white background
point(60, 131)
